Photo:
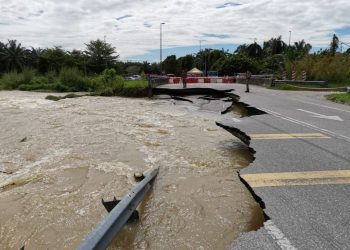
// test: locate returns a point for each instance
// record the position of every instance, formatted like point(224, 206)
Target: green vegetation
point(339, 98)
point(296, 86)
point(57, 98)
point(74, 79)
point(282, 86)
point(136, 84)
point(96, 69)
point(108, 83)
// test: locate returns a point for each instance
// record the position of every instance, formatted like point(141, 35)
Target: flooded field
point(59, 159)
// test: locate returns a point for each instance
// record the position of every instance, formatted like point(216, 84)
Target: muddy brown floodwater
point(59, 159)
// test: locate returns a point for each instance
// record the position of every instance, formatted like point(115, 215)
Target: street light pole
point(160, 50)
point(290, 35)
point(200, 44)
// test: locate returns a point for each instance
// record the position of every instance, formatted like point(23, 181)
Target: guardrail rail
point(105, 232)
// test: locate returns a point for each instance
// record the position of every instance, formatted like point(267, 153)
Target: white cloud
point(72, 23)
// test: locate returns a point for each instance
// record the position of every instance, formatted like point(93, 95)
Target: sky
point(133, 26)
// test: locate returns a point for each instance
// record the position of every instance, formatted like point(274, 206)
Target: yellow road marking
point(288, 136)
point(298, 178)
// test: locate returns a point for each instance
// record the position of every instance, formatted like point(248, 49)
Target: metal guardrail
point(155, 81)
point(106, 231)
point(303, 82)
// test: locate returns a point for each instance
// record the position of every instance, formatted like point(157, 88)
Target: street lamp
point(290, 35)
point(200, 44)
point(160, 51)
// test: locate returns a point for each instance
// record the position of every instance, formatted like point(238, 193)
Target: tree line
point(273, 57)
point(97, 56)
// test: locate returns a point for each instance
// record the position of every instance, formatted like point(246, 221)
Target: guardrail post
point(150, 92)
point(272, 82)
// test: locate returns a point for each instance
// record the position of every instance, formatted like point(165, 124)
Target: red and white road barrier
point(193, 80)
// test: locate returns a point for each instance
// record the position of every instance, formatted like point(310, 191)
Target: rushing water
point(59, 159)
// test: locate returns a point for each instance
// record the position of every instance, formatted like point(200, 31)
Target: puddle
point(80, 151)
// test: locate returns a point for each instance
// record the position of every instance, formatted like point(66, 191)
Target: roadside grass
point(338, 84)
point(295, 86)
point(137, 88)
point(138, 84)
point(343, 98)
point(282, 86)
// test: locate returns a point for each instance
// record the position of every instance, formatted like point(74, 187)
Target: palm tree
point(254, 50)
point(35, 56)
point(14, 55)
point(302, 47)
point(274, 46)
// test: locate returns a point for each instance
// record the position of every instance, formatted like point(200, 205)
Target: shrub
point(74, 79)
point(60, 87)
point(11, 80)
point(112, 80)
point(39, 80)
point(51, 76)
point(143, 76)
point(44, 86)
point(109, 83)
point(334, 69)
point(27, 75)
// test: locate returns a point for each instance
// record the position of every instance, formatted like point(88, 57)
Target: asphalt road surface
point(301, 171)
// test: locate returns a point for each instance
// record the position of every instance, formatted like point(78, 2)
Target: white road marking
point(278, 235)
point(236, 120)
point(320, 105)
point(317, 115)
point(305, 124)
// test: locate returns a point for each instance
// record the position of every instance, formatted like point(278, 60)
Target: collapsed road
point(299, 176)
point(59, 159)
point(301, 172)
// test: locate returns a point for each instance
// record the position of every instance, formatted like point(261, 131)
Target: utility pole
point(160, 49)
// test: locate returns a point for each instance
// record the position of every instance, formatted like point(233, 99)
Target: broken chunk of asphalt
point(243, 109)
point(177, 98)
point(214, 93)
point(236, 132)
point(181, 99)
